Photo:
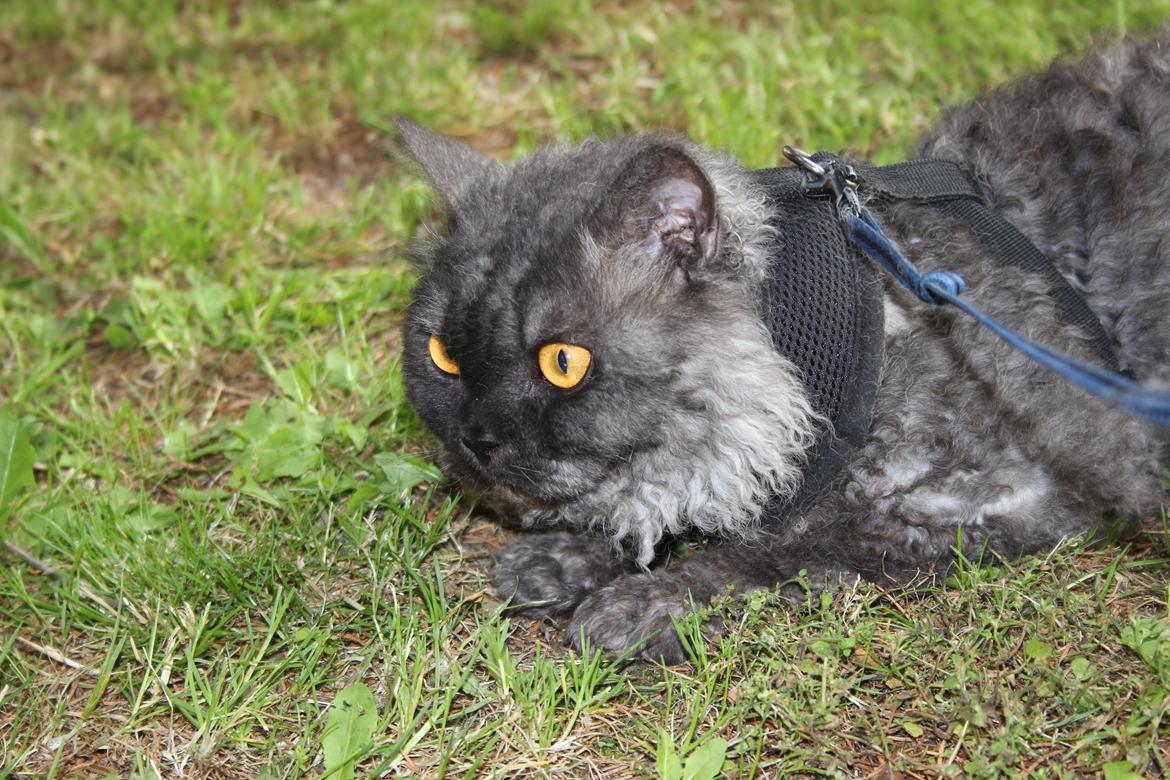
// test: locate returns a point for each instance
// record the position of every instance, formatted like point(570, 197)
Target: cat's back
point(1076, 157)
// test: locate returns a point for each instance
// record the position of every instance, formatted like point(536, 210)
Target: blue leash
point(941, 287)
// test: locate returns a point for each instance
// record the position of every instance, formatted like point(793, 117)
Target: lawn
point(226, 551)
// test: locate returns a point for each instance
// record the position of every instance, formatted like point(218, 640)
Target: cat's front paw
point(549, 574)
point(634, 611)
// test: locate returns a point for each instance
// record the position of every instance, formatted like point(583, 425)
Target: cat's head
point(585, 341)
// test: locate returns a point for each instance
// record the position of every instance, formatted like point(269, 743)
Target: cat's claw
point(635, 611)
point(549, 574)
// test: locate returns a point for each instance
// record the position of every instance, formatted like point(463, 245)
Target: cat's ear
point(666, 204)
point(453, 167)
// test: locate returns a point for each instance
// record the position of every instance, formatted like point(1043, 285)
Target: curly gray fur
point(972, 446)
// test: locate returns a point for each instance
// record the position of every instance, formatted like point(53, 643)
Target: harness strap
point(922, 181)
point(823, 307)
point(825, 175)
point(949, 188)
point(939, 287)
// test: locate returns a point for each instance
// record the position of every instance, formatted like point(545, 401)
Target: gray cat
point(590, 343)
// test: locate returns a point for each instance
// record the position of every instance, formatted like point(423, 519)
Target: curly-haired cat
point(586, 339)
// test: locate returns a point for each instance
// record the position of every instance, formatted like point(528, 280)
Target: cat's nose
point(481, 446)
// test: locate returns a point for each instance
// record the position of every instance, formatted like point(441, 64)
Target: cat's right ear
point(453, 167)
point(665, 205)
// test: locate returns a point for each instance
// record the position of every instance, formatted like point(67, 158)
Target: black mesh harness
point(822, 299)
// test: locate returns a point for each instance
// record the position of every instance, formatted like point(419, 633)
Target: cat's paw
point(634, 611)
point(549, 574)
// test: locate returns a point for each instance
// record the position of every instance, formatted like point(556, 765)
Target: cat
point(587, 341)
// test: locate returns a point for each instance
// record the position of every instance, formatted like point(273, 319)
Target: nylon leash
point(827, 176)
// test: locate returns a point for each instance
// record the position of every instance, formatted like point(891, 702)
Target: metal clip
point(803, 160)
point(832, 178)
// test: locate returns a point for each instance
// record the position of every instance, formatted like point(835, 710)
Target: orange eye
point(441, 358)
point(563, 364)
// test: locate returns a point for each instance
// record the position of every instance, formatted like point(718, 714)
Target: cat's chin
point(536, 495)
point(509, 500)
point(525, 504)
point(520, 488)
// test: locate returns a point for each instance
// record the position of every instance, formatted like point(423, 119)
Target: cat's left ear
point(454, 168)
point(667, 205)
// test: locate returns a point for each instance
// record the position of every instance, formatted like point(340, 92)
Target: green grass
point(203, 231)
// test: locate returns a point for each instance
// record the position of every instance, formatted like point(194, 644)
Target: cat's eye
point(440, 357)
point(564, 365)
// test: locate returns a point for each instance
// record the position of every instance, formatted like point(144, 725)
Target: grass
point(203, 226)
